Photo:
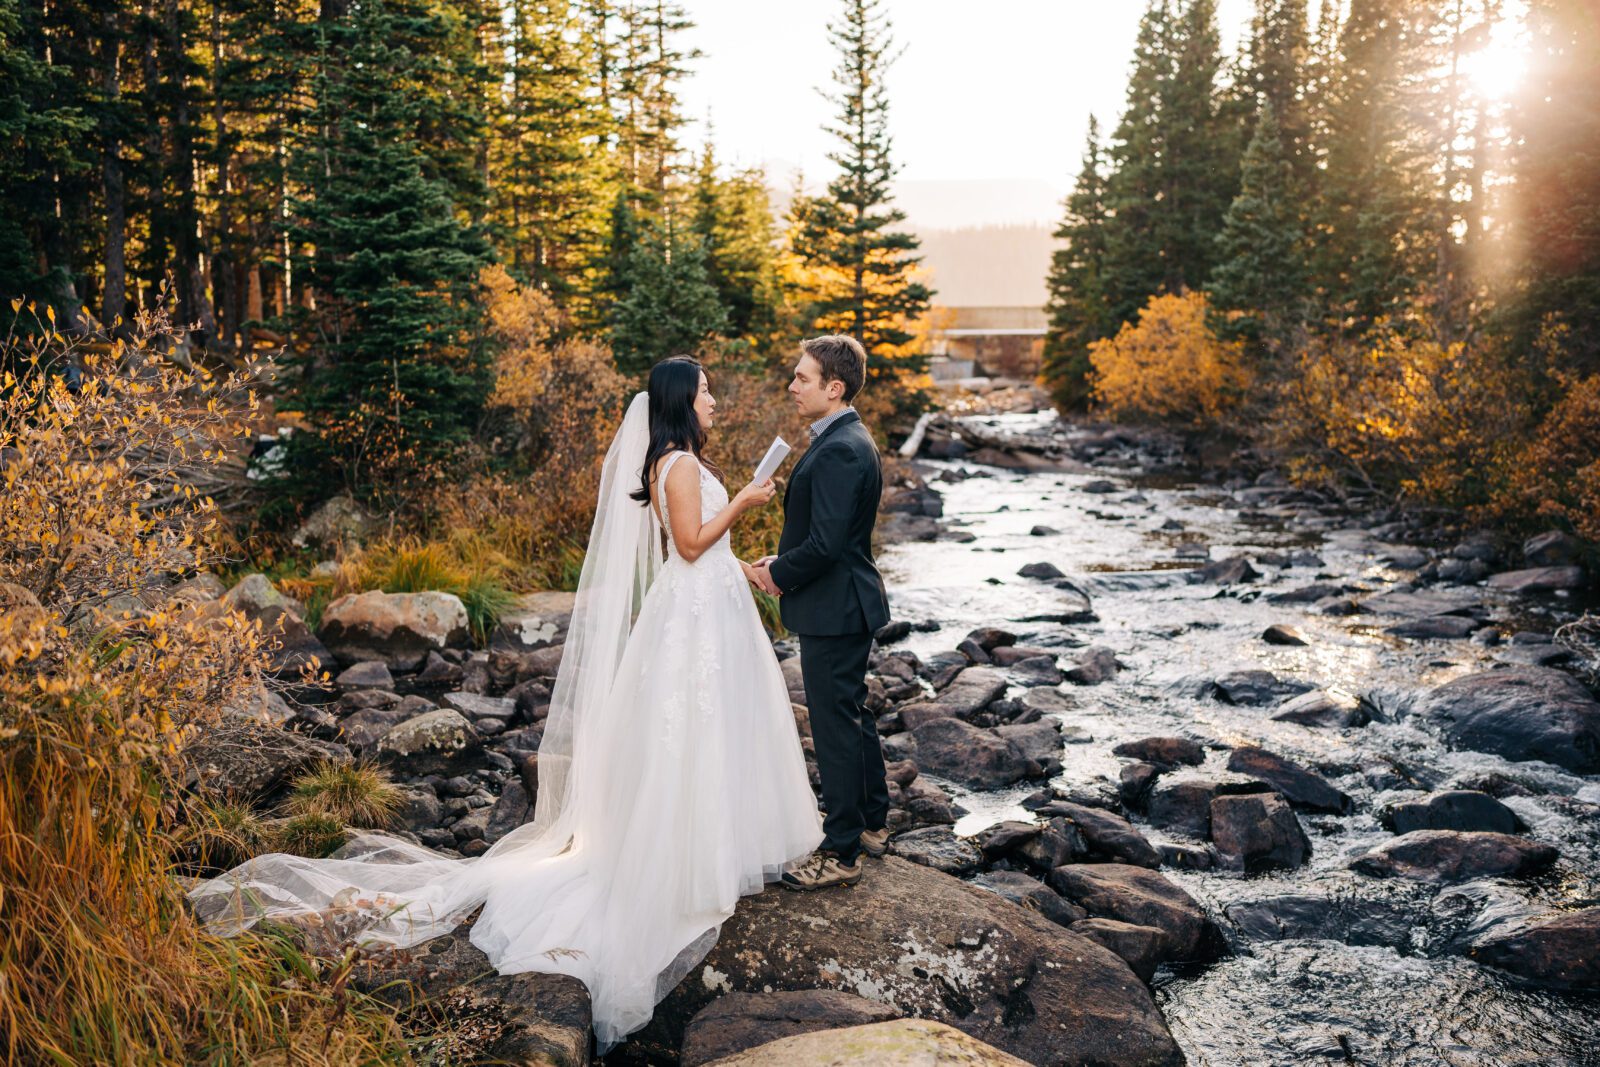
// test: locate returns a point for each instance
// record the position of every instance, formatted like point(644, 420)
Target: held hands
point(759, 575)
point(754, 495)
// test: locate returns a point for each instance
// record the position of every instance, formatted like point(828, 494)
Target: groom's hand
point(763, 577)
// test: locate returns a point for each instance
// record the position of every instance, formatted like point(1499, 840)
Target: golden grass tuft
point(353, 794)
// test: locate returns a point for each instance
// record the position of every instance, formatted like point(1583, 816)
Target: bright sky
point(996, 95)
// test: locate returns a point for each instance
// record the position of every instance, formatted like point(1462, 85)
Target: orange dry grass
point(104, 677)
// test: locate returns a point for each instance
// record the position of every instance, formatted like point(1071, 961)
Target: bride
point(671, 778)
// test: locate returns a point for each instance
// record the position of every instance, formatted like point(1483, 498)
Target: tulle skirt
point(688, 790)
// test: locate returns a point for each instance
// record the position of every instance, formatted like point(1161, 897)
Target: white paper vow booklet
point(769, 462)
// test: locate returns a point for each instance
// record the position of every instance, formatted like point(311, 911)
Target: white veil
point(382, 888)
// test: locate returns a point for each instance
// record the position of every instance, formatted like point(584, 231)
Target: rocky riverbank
point(1157, 747)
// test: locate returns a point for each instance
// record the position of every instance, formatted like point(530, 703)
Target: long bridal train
point(671, 782)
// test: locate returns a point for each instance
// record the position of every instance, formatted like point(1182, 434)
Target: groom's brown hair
point(841, 358)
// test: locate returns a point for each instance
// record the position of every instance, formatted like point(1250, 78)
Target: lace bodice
point(713, 498)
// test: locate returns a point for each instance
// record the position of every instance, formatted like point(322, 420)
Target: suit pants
point(849, 758)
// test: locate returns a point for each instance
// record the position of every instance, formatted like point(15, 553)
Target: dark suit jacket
point(824, 566)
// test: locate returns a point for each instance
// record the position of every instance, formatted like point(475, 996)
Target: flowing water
point(1365, 971)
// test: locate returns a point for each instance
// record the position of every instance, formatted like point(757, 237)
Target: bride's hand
point(754, 496)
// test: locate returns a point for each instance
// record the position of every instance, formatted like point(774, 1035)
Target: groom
point(833, 598)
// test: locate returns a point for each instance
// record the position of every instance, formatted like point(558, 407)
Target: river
point(1377, 976)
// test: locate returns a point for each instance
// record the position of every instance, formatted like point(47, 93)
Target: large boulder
point(1136, 896)
point(1521, 713)
point(1455, 856)
point(1562, 951)
point(398, 628)
point(1304, 789)
point(972, 690)
point(970, 755)
point(486, 1017)
point(931, 946)
point(900, 1043)
point(741, 1021)
point(1257, 832)
point(1322, 707)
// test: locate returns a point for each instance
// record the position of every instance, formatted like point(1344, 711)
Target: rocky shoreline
point(1040, 936)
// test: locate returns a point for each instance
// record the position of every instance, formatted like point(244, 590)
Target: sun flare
point(1497, 69)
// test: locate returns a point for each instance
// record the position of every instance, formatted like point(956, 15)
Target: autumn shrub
point(104, 678)
point(1555, 475)
point(1168, 366)
point(1403, 412)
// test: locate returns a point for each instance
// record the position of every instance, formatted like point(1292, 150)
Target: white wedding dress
point(670, 765)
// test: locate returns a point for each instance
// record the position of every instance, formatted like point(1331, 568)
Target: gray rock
point(971, 756)
point(1136, 896)
point(256, 598)
point(1182, 802)
point(1163, 751)
point(435, 742)
point(253, 759)
point(537, 1018)
point(476, 706)
point(396, 628)
point(1322, 708)
point(1039, 741)
point(1455, 809)
point(1028, 892)
point(1435, 626)
point(1304, 789)
point(1521, 713)
point(1106, 835)
point(1552, 549)
point(1037, 670)
point(1255, 688)
point(1257, 832)
point(1455, 856)
point(1281, 634)
point(1307, 594)
point(1095, 664)
point(370, 674)
point(1142, 947)
point(1561, 951)
point(741, 1021)
point(998, 972)
point(1539, 579)
point(1046, 571)
point(937, 847)
point(1231, 571)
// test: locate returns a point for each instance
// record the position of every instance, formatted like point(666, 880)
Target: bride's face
point(704, 403)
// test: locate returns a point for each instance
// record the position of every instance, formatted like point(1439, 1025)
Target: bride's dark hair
point(674, 387)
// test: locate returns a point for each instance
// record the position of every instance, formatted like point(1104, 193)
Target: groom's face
point(812, 396)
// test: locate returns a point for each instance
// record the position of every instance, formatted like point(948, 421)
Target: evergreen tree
point(548, 174)
point(1077, 305)
point(1174, 160)
point(862, 265)
point(669, 305)
point(732, 218)
point(648, 113)
point(1557, 193)
point(393, 266)
point(1372, 214)
point(1260, 286)
point(1279, 60)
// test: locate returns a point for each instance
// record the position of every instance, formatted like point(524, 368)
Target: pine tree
point(548, 174)
point(732, 218)
point(1557, 189)
point(1262, 277)
point(847, 238)
point(392, 265)
point(1174, 160)
point(1372, 214)
point(1279, 58)
point(1077, 306)
point(668, 305)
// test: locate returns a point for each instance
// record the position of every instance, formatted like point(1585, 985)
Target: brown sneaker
point(875, 842)
point(821, 870)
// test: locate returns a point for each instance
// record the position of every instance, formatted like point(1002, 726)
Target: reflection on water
point(1342, 996)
